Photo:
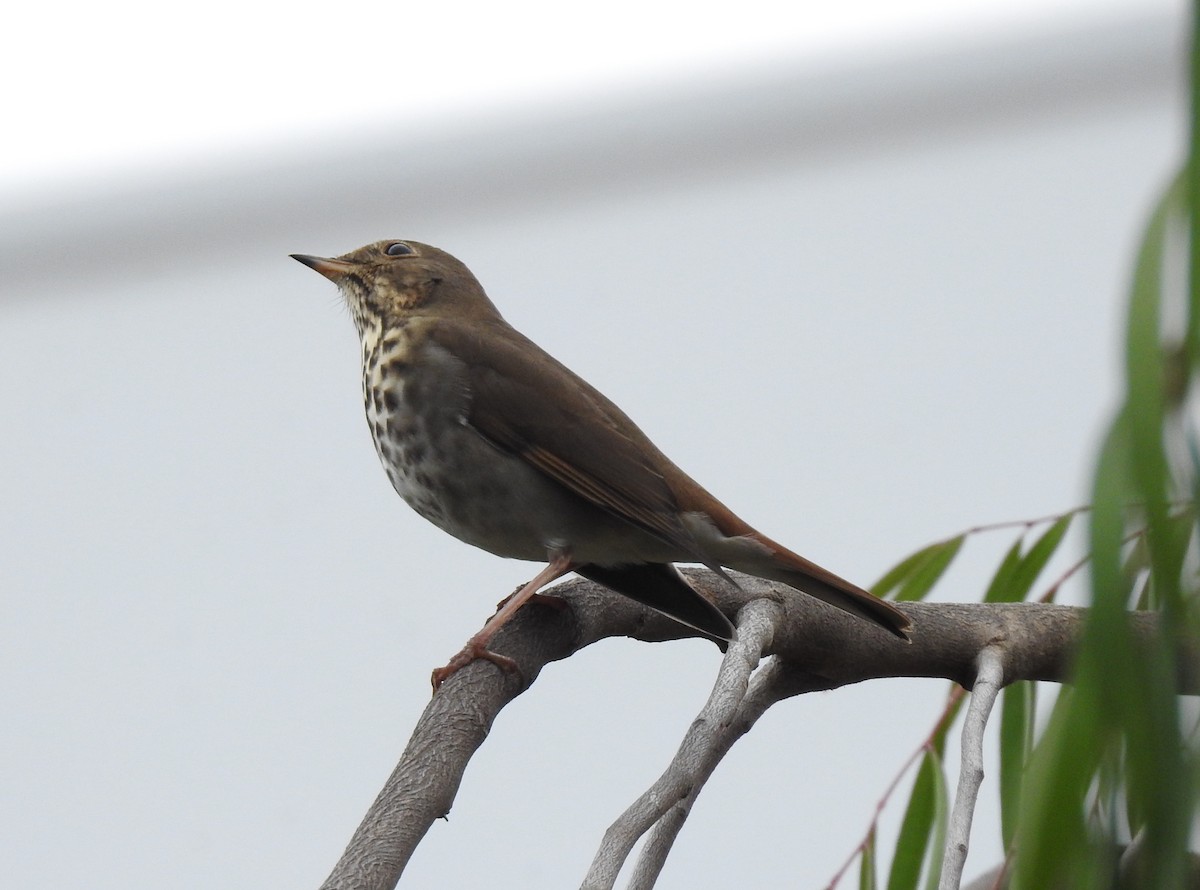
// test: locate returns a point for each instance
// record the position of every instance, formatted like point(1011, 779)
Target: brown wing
point(527, 403)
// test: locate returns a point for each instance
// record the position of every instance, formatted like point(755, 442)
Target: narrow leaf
point(903, 570)
point(932, 567)
point(866, 865)
point(941, 812)
point(1002, 581)
point(914, 829)
point(1037, 557)
point(1016, 741)
point(1052, 836)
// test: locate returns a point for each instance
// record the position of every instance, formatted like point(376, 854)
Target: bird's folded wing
point(527, 403)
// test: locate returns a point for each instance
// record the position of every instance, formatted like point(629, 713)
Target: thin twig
point(988, 682)
point(756, 627)
point(768, 685)
point(1026, 523)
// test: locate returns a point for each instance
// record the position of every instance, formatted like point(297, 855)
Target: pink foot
point(466, 655)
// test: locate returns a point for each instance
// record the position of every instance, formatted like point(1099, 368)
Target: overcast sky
point(99, 88)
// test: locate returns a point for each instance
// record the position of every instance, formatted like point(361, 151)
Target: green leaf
point(866, 864)
point(1037, 557)
point(1177, 531)
point(1136, 564)
point(1051, 833)
point(1148, 363)
point(918, 829)
point(1017, 703)
point(1017, 574)
point(1192, 190)
point(1138, 683)
point(915, 575)
point(1002, 581)
point(903, 570)
point(1123, 701)
point(941, 812)
point(1115, 736)
point(931, 569)
point(914, 829)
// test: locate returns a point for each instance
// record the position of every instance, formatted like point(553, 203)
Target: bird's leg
point(476, 647)
point(542, 599)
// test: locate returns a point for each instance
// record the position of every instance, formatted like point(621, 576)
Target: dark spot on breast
point(395, 368)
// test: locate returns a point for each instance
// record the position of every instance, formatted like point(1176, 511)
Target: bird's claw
point(465, 656)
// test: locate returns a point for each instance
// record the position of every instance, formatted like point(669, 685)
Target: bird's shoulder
point(527, 402)
point(506, 368)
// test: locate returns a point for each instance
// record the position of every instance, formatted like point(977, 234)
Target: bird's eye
point(398, 248)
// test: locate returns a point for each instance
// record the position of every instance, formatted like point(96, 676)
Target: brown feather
point(580, 439)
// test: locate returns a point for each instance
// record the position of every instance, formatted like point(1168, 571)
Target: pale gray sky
point(103, 88)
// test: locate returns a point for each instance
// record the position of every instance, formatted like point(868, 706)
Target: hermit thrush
point(492, 440)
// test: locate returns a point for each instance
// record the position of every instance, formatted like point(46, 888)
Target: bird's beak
point(331, 269)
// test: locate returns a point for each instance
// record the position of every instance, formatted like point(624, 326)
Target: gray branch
point(703, 746)
point(815, 647)
point(987, 686)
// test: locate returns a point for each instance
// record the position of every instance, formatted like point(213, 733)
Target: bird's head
point(390, 281)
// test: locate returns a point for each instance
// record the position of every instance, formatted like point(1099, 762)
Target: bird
point(496, 442)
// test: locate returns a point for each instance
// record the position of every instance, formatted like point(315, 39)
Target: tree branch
point(816, 646)
point(665, 805)
point(970, 775)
